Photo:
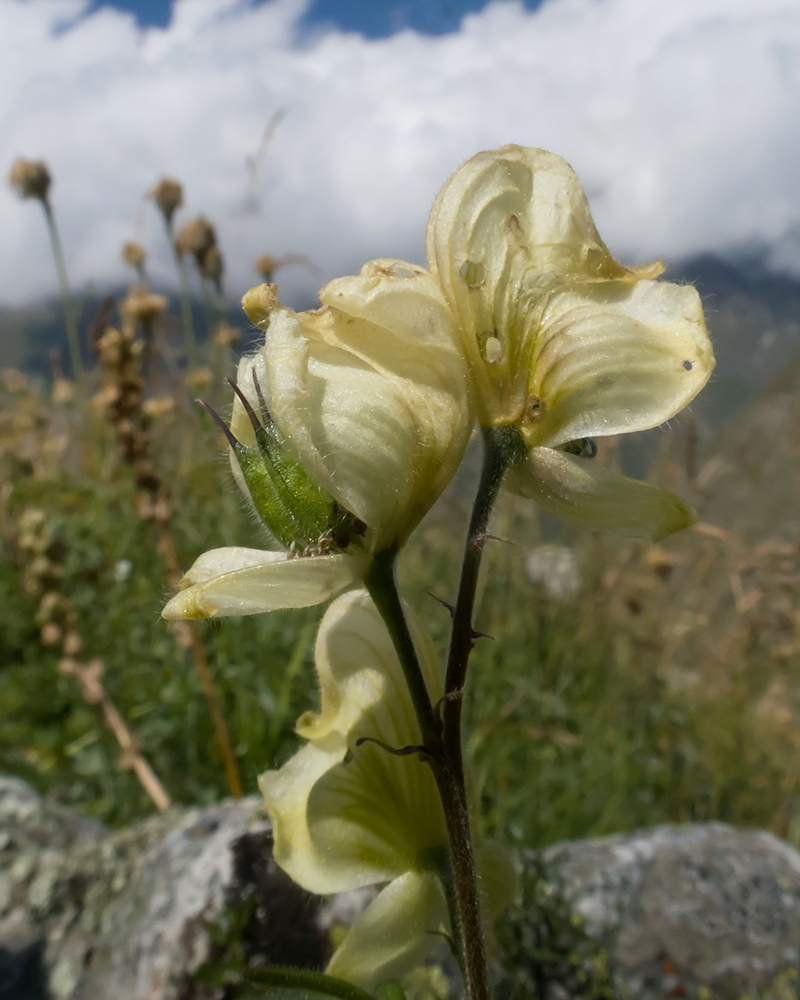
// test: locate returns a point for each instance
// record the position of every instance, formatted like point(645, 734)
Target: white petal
point(509, 226)
point(275, 582)
point(533, 286)
point(372, 393)
point(613, 358)
point(216, 562)
point(339, 826)
point(583, 493)
point(395, 934)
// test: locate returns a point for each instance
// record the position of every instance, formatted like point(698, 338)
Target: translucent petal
point(613, 358)
point(216, 562)
point(372, 392)
point(395, 934)
point(274, 581)
point(583, 493)
point(512, 241)
point(506, 229)
point(338, 826)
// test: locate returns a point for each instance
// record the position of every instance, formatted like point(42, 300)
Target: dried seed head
point(265, 266)
point(198, 379)
point(211, 264)
point(134, 253)
point(72, 644)
point(196, 237)
point(226, 335)
point(142, 306)
point(30, 179)
point(158, 406)
point(15, 381)
point(63, 390)
point(168, 195)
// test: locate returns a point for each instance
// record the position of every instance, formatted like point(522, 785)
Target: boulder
point(90, 914)
point(694, 911)
point(171, 907)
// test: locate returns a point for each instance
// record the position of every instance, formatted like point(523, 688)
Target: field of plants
point(621, 683)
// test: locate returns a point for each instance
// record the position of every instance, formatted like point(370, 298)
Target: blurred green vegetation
point(586, 715)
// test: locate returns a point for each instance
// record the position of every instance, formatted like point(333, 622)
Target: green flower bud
point(301, 515)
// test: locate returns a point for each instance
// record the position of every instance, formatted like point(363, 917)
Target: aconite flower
point(357, 414)
point(348, 813)
point(561, 340)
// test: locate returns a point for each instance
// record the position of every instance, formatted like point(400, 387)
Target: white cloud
point(679, 115)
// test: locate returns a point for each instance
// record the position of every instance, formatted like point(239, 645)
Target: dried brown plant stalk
point(58, 626)
point(122, 400)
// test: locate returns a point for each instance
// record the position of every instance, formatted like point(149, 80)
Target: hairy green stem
point(382, 587)
point(70, 318)
point(440, 727)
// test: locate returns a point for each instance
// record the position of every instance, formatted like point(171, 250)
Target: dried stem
point(90, 675)
point(121, 356)
point(57, 622)
point(70, 318)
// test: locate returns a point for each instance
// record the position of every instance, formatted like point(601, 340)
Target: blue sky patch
point(372, 18)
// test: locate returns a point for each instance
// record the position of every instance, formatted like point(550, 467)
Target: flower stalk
point(440, 725)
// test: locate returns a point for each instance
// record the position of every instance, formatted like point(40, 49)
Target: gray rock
point(135, 913)
point(685, 907)
point(90, 914)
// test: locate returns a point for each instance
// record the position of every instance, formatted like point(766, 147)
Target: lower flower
point(347, 812)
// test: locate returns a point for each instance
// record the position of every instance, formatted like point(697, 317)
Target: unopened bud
point(30, 178)
point(300, 514)
point(168, 195)
point(260, 302)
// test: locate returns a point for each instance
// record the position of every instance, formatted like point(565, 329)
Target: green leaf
point(298, 984)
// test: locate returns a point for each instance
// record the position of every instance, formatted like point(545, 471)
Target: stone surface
point(135, 913)
point(685, 907)
point(89, 914)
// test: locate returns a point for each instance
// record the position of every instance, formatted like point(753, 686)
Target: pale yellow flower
point(346, 816)
point(562, 341)
point(371, 395)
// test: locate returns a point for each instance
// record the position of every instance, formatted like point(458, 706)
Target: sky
point(680, 116)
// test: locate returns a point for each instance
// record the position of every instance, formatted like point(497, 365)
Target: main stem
point(441, 730)
point(66, 297)
point(503, 447)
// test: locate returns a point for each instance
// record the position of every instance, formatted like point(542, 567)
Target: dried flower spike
point(30, 178)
